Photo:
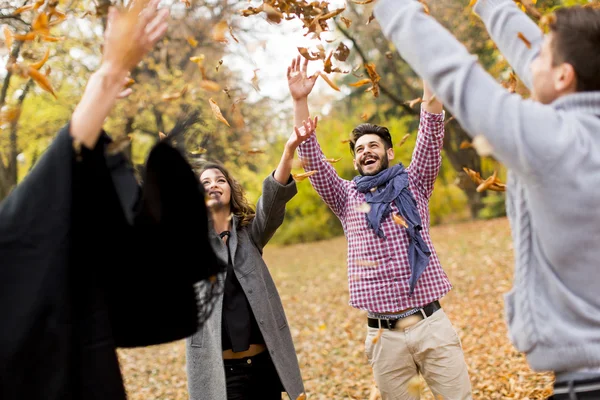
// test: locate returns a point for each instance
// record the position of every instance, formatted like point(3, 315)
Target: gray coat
point(204, 358)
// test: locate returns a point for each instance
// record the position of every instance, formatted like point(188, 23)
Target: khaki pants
point(430, 347)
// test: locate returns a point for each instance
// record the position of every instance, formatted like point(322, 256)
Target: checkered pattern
point(378, 269)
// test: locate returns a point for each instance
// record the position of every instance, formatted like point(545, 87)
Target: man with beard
point(393, 271)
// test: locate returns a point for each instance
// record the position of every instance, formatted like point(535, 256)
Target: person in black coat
point(89, 260)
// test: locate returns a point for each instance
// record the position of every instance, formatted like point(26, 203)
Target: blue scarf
point(392, 186)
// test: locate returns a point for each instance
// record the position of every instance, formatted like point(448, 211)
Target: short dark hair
point(371, 129)
point(576, 41)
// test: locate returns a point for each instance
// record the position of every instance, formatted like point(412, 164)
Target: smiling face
point(216, 186)
point(370, 155)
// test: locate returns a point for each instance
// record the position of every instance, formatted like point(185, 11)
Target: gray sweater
point(553, 156)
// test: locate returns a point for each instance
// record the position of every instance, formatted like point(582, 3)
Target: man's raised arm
point(505, 22)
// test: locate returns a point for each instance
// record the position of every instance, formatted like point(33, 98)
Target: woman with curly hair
point(245, 349)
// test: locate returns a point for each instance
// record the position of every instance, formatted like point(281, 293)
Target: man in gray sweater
point(551, 146)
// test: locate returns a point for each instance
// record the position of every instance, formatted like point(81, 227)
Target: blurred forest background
point(187, 69)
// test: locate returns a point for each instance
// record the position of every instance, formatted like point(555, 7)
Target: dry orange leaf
point(378, 336)
point(524, 39)
point(333, 160)
point(8, 37)
point(218, 32)
point(346, 21)
point(193, 42)
point(161, 136)
point(254, 81)
point(360, 83)
point(404, 139)
point(256, 150)
point(399, 220)
point(328, 81)
point(301, 177)
point(217, 112)
point(414, 386)
point(465, 145)
point(210, 86)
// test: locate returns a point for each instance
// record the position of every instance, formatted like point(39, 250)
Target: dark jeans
point(577, 390)
point(252, 378)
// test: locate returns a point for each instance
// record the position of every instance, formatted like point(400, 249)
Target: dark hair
point(576, 41)
point(240, 207)
point(367, 129)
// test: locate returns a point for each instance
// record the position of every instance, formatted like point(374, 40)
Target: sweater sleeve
point(525, 135)
point(504, 22)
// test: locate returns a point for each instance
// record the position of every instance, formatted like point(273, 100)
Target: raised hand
point(302, 133)
point(131, 33)
point(299, 83)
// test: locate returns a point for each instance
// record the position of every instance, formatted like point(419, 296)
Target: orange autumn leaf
point(524, 39)
point(399, 220)
point(465, 145)
point(218, 32)
point(210, 86)
point(301, 177)
point(192, 42)
point(8, 37)
point(333, 160)
point(346, 21)
point(404, 139)
point(41, 63)
point(362, 82)
point(328, 81)
point(378, 336)
point(255, 151)
point(161, 136)
point(217, 112)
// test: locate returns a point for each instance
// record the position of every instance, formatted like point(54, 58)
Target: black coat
point(89, 261)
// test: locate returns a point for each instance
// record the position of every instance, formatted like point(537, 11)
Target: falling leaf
point(425, 7)
point(511, 83)
point(128, 84)
point(364, 208)
point(272, 14)
point(482, 146)
point(362, 82)
point(414, 102)
point(377, 336)
point(524, 39)
point(404, 139)
point(210, 86)
point(399, 220)
point(333, 160)
point(465, 145)
point(346, 21)
point(301, 177)
point(375, 78)
point(344, 141)
point(218, 32)
point(217, 112)
point(483, 186)
point(342, 52)
point(256, 151)
point(232, 35)
point(41, 80)
point(364, 116)
point(9, 114)
point(301, 397)
point(161, 136)
point(362, 1)
point(310, 56)
point(174, 96)
point(219, 65)
point(193, 42)
point(414, 386)
point(328, 81)
point(254, 81)
point(8, 37)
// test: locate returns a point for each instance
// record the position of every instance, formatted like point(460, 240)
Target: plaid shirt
point(378, 269)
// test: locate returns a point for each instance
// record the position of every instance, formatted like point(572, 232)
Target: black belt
point(425, 311)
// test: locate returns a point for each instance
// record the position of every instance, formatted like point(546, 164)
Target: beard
point(384, 164)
